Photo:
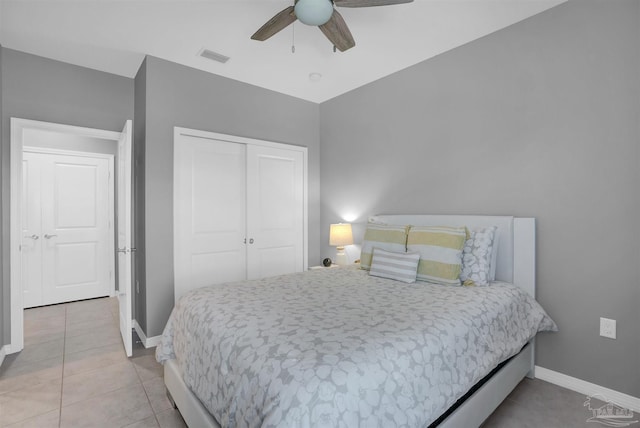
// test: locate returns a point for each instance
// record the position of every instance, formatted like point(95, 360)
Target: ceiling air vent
point(214, 56)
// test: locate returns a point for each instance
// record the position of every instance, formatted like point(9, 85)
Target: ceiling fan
point(322, 14)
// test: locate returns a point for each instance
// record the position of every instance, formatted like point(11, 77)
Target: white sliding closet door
point(275, 211)
point(239, 209)
point(209, 210)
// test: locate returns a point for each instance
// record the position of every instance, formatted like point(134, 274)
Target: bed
point(340, 347)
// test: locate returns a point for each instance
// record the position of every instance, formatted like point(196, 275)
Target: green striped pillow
point(440, 249)
point(384, 236)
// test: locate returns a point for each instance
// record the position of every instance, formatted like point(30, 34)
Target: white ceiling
point(114, 36)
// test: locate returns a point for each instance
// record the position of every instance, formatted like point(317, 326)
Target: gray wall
point(42, 89)
point(180, 96)
point(4, 213)
point(539, 119)
point(139, 135)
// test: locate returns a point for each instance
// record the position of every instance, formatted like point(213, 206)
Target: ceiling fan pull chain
point(293, 38)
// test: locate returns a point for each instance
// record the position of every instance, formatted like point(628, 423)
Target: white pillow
point(477, 256)
point(399, 266)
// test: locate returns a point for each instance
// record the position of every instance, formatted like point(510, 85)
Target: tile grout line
point(155, 416)
point(116, 320)
point(64, 346)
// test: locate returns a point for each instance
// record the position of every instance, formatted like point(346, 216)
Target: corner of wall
point(5, 309)
point(139, 138)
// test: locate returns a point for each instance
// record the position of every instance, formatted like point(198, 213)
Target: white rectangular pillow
point(399, 266)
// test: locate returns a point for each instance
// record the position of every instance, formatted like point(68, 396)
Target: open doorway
point(47, 144)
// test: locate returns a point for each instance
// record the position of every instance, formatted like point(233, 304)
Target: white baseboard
point(148, 342)
point(4, 350)
point(588, 389)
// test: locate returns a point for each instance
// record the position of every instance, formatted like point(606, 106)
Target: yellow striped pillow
point(384, 236)
point(440, 249)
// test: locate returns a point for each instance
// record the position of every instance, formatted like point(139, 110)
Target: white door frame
point(110, 204)
point(17, 131)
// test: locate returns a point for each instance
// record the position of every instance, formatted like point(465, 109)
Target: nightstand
point(323, 267)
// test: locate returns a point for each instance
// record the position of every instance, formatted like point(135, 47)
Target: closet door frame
point(179, 131)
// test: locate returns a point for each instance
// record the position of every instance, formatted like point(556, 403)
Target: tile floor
point(538, 404)
point(73, 373)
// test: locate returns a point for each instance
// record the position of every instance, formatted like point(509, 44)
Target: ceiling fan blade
point(338, 33)
point(368, 3)
point(275, 24)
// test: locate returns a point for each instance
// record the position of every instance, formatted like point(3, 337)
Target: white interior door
point(275, 211)
point(66, 235)
point(124, 237)
point(209, 212)
point(31, 231)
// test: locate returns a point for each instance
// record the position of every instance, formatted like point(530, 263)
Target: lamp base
point(341, 257)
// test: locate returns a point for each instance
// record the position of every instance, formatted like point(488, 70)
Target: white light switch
point(608, 328)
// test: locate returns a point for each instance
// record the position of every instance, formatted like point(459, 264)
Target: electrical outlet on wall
point(608, 328)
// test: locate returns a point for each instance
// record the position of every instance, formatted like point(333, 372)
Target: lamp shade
point(340, 235)
point(314, 12)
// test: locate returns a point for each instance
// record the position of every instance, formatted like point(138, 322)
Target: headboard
point(516, 241)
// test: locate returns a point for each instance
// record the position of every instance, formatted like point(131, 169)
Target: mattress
point(338, 347)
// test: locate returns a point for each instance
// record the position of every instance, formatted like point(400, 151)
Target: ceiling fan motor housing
point(314, 12)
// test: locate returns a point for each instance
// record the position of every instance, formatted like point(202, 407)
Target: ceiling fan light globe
point(314, 12)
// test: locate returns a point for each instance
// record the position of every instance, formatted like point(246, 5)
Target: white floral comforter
point(337, 347)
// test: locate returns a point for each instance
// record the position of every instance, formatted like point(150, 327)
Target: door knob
point(34, 237)
point(251, 241)
point(47, 236)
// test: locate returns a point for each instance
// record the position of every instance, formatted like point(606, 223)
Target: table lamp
point(340, 235)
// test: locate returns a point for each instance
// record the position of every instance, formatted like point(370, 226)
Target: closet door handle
point(47, 236)
point(34, 237)
point(251, 241)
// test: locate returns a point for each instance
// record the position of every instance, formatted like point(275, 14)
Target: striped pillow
point(440, 249)
point(384, 236)
point(399, 266)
